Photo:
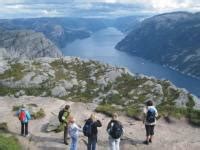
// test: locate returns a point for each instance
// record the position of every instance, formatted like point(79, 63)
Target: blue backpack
point(87, 128)
point(151, 115)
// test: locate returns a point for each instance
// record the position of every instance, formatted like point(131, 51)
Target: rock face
point(26, 43)
point(62, 31)
point(170, 39)
point(71, 78)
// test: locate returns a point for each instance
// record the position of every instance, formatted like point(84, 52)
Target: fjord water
point(100, 46)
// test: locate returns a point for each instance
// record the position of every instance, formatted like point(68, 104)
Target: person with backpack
point(150, 114)
point(115, 131)
point(74, 133)
point(24, 117)
point(63, 117)
point(90, 130)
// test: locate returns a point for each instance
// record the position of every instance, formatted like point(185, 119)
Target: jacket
point(28, 116)
point(95, 124)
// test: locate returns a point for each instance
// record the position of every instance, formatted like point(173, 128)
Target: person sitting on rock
point(63, 117)
point(90, 130)
point(24, 117)
point(115, 131)
point(150, 114)
point(74, 133)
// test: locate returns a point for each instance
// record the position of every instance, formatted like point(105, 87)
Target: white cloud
point(41, 8)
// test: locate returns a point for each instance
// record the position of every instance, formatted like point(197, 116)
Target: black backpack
point(116, 130)
point(60, 116)
point(87, 128)
point(151, 115)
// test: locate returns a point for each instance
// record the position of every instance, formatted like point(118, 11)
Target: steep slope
point(171, 39)
point(111, 88)
point(26, 43)
point(62, 31)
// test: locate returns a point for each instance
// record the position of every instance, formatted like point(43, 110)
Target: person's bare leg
point(151, 138)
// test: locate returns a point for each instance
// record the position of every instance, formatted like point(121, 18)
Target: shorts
point(149, 130)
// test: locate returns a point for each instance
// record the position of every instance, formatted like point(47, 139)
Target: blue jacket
point(28, 116)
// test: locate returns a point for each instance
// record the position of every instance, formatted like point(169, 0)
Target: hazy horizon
point(92, 8)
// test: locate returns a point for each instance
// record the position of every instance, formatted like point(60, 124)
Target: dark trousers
point(24, 128)
point(92, 141)
point(66, 134)
point(149, 130)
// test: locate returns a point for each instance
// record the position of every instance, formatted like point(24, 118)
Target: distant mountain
point(26, 43)
point(170, 39)
point(62, 31)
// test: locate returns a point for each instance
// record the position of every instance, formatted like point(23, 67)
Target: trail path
point(175, 136)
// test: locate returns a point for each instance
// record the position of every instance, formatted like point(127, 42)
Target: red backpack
point(22, 116)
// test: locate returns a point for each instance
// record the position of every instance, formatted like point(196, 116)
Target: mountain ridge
point(169, 39)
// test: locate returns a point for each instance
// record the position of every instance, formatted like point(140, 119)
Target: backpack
point(22, 116)
point(151, 115)
point(87, 128)
point(60, 116)
point(116, 130)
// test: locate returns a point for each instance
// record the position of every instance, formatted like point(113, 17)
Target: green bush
point(38, 115)
point(3, 127)
point(133, 112)
point(106, 109)
point(16, 108)
point(15, 71)
point(194, 117)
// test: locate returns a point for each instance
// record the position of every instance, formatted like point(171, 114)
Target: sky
point(92, 8)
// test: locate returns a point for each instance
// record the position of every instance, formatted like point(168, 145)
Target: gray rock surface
point(27, 43)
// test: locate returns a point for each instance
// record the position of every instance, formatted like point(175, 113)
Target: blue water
point(100, 46)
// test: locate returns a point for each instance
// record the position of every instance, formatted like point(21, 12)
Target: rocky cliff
point(170, 39)
point(26, 43)
point(111, 88)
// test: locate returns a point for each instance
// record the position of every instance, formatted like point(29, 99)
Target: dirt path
point(176, 136)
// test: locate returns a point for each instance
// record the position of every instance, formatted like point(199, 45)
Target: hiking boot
point(150, 141)
point(146, 142)
point(27, 135)
point(66, 143)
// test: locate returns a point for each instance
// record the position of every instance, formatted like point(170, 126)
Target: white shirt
point(74, 130)
point(145, 114)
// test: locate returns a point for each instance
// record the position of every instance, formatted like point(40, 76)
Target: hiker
point(90, 130)
point(74, 133)
point(150, 114)
point(63, 117)
point(24, 117)
point(115, 131)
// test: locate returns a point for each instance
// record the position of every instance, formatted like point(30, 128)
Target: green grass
point(16, 71)
point(8, 142)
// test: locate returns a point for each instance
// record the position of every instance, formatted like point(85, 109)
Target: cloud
point(92, 8)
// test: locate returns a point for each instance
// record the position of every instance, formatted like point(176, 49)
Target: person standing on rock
point(90, 130)
point(63, 117)
point(115, 131)
point(74, 133)
point(24, 117)
point(150, 114)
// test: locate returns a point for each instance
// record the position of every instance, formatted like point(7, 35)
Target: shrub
point(38, 115)
point(106, 109)
point(3, 127)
